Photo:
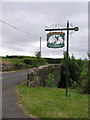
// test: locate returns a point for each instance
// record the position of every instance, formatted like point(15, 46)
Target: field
point(13, 60)
point(25, 62)
point(46, 102)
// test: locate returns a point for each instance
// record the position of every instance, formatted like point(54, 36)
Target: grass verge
point(52, 103)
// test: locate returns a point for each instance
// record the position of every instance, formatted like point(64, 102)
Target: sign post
point(60, 45)
point(67, 57)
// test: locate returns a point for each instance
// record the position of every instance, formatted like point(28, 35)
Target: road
point(10, 109)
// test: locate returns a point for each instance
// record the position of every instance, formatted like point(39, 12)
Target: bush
point(85, 79)
point(35, 62)
point(77, 74)
point(27, 61)
point(38, 54)
point(74, 71)
point(17, 66)
point(38, 62)
point(53, 61)
point(50, 82)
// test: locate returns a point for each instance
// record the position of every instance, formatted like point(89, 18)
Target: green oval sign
point(55, 40)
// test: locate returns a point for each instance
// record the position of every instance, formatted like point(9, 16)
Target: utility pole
point(40, 46)
point(67, 29)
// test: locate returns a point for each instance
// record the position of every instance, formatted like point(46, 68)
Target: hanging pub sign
point(55, 39)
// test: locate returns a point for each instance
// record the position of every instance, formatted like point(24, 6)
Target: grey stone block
point(37, 76)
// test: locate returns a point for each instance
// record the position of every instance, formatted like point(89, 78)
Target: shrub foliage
point(50, 81)
point(77, 73)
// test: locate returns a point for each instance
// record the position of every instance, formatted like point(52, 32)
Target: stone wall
point(7, 67)
point(37, 76)
point(10, 67)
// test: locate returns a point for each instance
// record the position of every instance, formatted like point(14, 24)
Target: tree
point(38, 54)
point(74, 71)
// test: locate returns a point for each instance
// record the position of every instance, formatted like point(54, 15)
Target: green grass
point(12, 60)
point(52, 103)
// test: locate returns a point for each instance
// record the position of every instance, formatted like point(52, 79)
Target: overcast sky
point(32, 17)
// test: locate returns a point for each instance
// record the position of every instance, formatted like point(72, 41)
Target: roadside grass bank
point(10, 64)
point(45, 102)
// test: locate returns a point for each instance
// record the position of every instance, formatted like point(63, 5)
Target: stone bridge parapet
point(37, 76)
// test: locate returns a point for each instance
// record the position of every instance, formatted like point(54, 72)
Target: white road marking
point(2, 77)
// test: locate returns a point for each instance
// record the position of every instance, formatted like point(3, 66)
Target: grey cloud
point(33, 17)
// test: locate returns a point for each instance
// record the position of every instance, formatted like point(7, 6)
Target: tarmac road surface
point(10, 109)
